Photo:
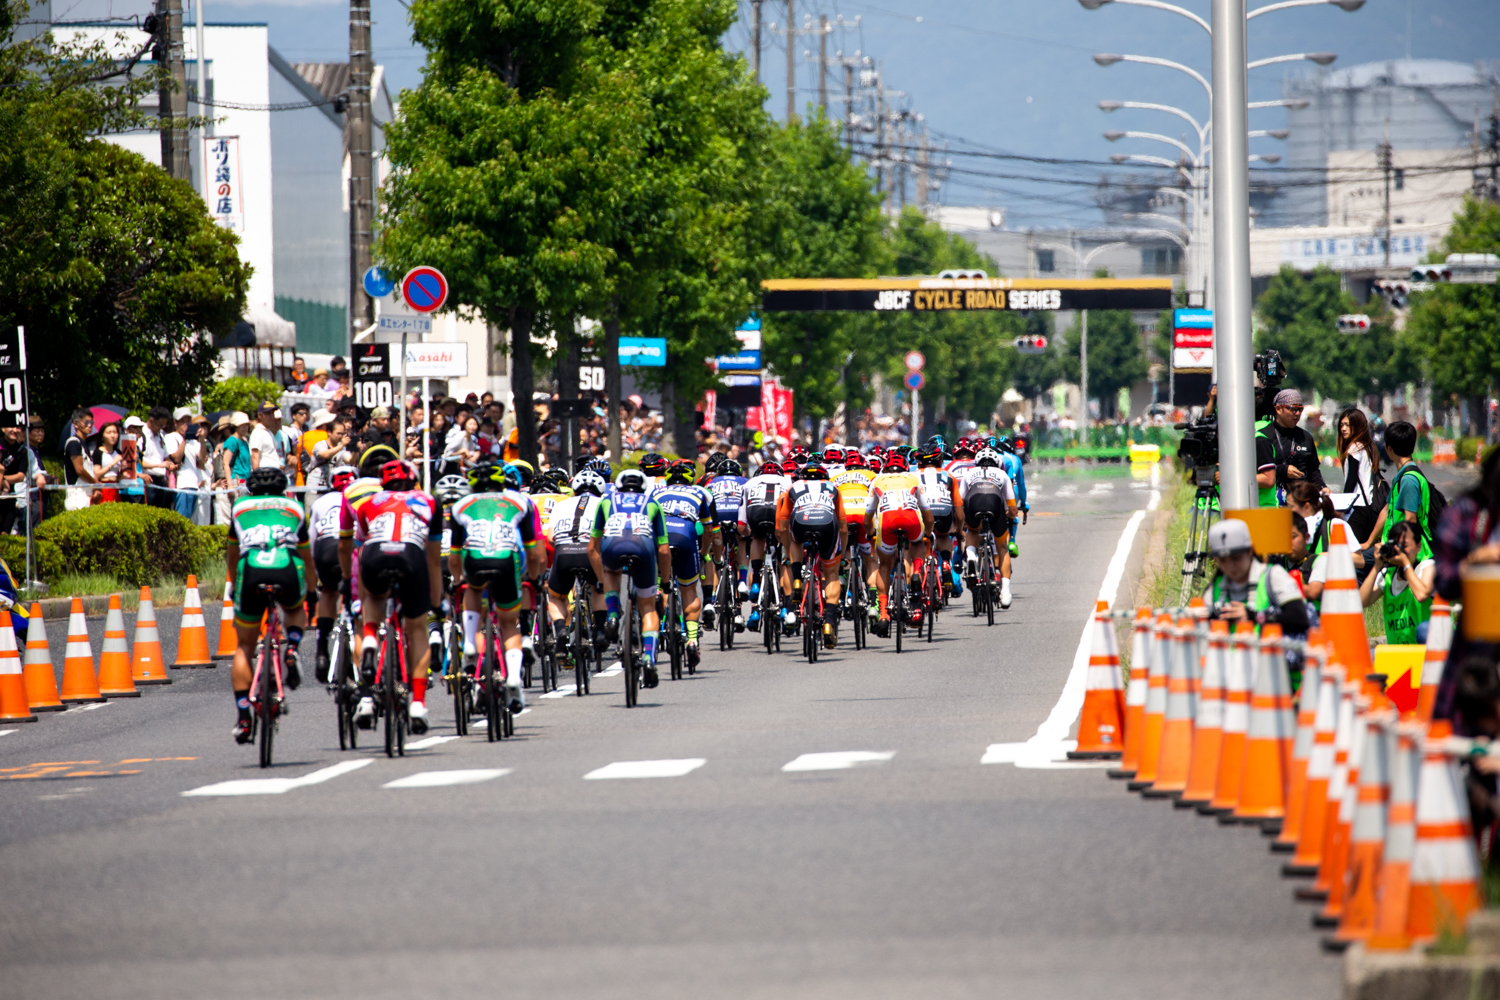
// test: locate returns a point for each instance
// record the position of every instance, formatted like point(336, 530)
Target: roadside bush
point(134, 543)
point(1468, 448)
point(239, 393)
point(48, 557)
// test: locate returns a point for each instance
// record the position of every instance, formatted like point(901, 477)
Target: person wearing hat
point(267, 446)
point(379, 431)
point(234, 460)
point(1284, 452)
point(1244, 588)
point(185, 451)
point(317, 385)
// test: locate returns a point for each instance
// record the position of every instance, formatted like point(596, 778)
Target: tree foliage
point(1116, 358)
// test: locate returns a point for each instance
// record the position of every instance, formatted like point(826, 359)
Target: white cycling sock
point(513, 668)
point(1005, 585)
point(471, 629)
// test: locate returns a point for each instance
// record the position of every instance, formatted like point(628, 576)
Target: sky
point(1005, 76)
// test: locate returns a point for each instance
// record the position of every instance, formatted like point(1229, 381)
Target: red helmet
point(895, 462)
point(967, 444)
point(791, 469)
point(343, 476)
point(833, 455)
point(396, 472)
point(854, 460)
point(876, 463)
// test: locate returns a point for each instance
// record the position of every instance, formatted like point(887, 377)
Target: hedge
point(132, 542)
point(49, 558)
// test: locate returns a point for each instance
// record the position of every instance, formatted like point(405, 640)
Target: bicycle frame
point(268, 666)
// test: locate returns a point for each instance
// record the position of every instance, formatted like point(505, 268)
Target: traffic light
point(1031, 345)
point(1354, 323)
point(1461, 269)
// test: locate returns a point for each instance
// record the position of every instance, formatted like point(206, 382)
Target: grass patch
point(211, 573)
point(1164, 581)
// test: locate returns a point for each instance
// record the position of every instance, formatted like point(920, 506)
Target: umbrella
point(214, 417)
point(107, 413)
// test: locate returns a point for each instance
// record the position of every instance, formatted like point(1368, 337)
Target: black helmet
point(929, 454)
point(714, 460)
point(729, 467)
point(266, 482)
point(815, 470)
point(653, 464)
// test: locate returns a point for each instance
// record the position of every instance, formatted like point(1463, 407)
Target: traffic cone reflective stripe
point(1268, 742)
point(147, 664)
point(1444, 867)
point(1103, 715)
point(114, 662)
point(192, 638)
point(1177, 723)
point(227, 640)
point(1135, 694)
point(1341, 613)
point(36, 667)
point(1296, 784)
point(13, 704)
point(80, 682)
point(1343, 742)
point(1156, 704)
point(1439, 641)
point(1208, 729)
point(1239, 676)
point(1320, 764)
point(1364, 755)
point(1393, 892)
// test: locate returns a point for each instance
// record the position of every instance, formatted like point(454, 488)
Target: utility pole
point(849, 102)
point(361, 133)
point(791, 61)
point(880, 133)
point(922, 172)
point(1383, 151)
point(172, 97)
point(201, 66)
point(755, 37)
point(823, 65)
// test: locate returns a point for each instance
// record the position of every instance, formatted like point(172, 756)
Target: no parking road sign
point(424, 289)
point(915, 380)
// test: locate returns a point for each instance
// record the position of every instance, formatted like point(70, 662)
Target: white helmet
point(631, 481)
point(988, 457)
point(589, 481)
point(451, 489)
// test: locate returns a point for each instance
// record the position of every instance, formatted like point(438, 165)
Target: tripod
point(1205, 512)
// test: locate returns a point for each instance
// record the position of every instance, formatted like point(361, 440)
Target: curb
point(95, 605)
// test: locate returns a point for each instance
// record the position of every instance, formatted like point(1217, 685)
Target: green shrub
point(1468, 448)
point(132, 542)
point(48, 557)
point(239, 393)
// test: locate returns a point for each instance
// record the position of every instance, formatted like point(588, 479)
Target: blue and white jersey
point(727, 492)
point(688, 509)
point(1013, 468)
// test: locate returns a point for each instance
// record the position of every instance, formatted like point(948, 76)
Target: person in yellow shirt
point(897, 509)
point(853, 483)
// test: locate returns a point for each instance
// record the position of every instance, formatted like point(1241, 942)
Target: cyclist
point(655, 468)
point(938, 489)
point(832, 460)
point(757, 524)
point(268, 547)
point(727, 486)
point(711, 464)
point(496, 535)
point(628, 525)
point(692, 529)
point(567, 530)
point(853, 485)
point(810, 516)
point(400, 530)
point(964, 450)
point(547, 490)
point(987, 498)
point(1011, 463)
point(896, 505)
point(449, 490)
point(356, 495)
point(323, 534)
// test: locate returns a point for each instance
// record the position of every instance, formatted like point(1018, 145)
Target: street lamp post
point(1081, 261)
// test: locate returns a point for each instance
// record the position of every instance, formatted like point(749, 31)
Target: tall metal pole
point(202, 66)
point(823, 65)
point(791, 60)
point(755, 37)
point(1083, 379)
point(849, 102)
point(361, 167)
point(1231, 214)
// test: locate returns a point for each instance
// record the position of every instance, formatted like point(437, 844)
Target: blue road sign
point(648, 352)
point(378, 284)
point(915, 380)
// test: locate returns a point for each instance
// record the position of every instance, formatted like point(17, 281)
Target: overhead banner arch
point(928, 294)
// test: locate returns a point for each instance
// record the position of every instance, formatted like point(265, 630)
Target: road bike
point(343, 683)
point(932, 591)
point(812, 604)
point(491, 675)
point(585, 654)
point(897, 599)
point(770, 600)
point(855, 600)
point(674, 631)
point(459, 681)
point(984, 587)
point(393, 693)
point(726, 603)
point(267, 692)
point(631, 637)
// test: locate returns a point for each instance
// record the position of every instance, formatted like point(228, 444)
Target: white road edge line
point(7, 732)
point(841, 760)
point(646, 769)
point(1048, 749)
point(430, 741)
point(277, 786)
point(438, 779)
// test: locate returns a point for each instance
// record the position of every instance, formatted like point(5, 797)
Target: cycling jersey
point(758, 503)
point(545, 502)
point(687, 510)
point(493, 531)
point(899, 504)
point(813, 511)
point(728, 492)
point(356, 495)
point(957, 466)
point(983, 479)
point(987, 495)
point(323, 532)
point(268, 530)
point(391, 519)
point(1013, 468)
point(568, 528)
point(630, 526)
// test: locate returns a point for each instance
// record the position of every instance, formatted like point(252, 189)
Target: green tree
point(1116, 358)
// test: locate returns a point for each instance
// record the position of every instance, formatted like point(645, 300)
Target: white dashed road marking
point(646, 769)
point(437, 779)
point(430, 741)
point(277, 786)
point(841, 760)
point(7, 732)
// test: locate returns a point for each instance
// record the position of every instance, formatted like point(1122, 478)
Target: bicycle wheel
point(897, 600)
point(989, 589)
point(673, 634)
point(266, 710)
point(458, 683)
point(338, 663)
point(489, 686)
point(583, 641)
point(769, 622)
point(934, 597)
point(627, 655)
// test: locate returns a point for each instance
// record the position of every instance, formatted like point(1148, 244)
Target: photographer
point(1246, 589)
point(1285, 454)
point(1406, 581)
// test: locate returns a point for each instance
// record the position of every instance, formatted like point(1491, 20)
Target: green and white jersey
point(494, 525)
point(268, 530)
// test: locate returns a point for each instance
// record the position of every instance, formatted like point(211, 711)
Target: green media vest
point(1267, 493)
point(1403, 612)
point(1392, 515)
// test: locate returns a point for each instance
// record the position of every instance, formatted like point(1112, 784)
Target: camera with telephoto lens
point(1389, 551)
point(1200, 445)
point(1270, 372)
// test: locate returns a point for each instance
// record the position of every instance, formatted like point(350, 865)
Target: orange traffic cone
point(1296, 785)
point(1269, 740)
point(1208, 731)
point(1439, 641)
point(80, 684)
point(227, 641)
point(1444, 868)
point(1135, 694)
point(114, 662)
point(1366, 837)
point(1337, 860)
point(192, 637)
point(1320, 762)
point(147, 664)
point(1343, 743)
point(1239, 677)
point(1394, 893)
point(1156, 704)
point(36, 667)
point(1341, 614)
point(1103, 715)
point(1177, 724)
point(13, 705)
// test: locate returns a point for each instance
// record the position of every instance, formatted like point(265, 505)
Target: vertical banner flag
point(710, 404)
point(222, 181)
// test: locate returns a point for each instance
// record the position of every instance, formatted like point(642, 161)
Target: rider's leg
point(1004, 549)
point(240, 673)
point(510, 632)
point(471, 622)
point(418, 655)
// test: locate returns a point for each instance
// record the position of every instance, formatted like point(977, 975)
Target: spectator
point(75, 459)
point(379, 431)
point(1284, 452)
point(1357, 458)
point(192, 473)
point(323, 445)
point(301, 413)
point(16, 462)
point(485, 398)
point(319, 385)
point(153, 459)
point(107, 461)
point(1404, 582)
point(132, 473)
point(297, 377)
point(1410, 491)
point(234, 461)
point(38, 437)
point(267, 446)
point(338, 374)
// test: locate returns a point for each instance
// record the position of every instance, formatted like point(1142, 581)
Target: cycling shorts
point(857, 534)
point(888, 523)
point(326, 562)
point(251, 602)
point(642, 569)
point(761, 518)
point(986, 508)
point(820, 538)
point(687, 559)
point(942, 521)
point(570, 566)
point(400, 570)
point(500, 578)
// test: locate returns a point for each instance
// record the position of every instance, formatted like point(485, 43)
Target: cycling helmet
point(875, 463)
point(653, 464)
point(904, 450)
point(929, 455)
point(524, 471)
point(713, 461)
point(451, 489)
point(373, 458)
point(833, 455)
point(398, 474)
point(512, 476)
point(589, 481)
point(989, 458)
point(936, 441)
point(342, 476)
point(631, 481)
point(602, 467)
point(266, 482)
point(551, 481)
point(792, 469)
point(965, 446)
point(814, 470)
point(895, 462)
point(729, 467)
point(1003, 444)
point(854, 460)
point(487, 477)
point(682, 472)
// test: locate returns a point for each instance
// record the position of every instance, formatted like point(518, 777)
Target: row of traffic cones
point(1368, 802)
point(30, 687)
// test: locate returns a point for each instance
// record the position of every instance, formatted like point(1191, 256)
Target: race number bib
point(626, 525)
point(493, 539)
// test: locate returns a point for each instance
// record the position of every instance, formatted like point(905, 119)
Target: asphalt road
point(917, 871)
